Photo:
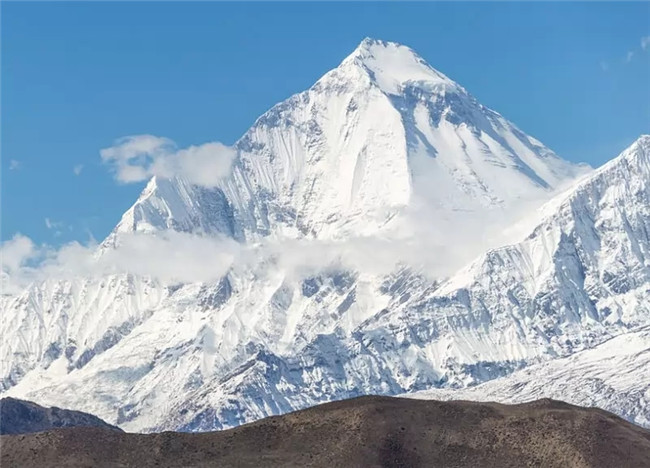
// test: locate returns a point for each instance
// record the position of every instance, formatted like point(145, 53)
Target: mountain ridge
point(265, 339)
point(294, 163)
point(21, 417)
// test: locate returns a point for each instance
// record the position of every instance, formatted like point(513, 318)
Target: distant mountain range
point(400, 237)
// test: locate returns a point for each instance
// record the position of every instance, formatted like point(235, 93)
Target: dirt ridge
point(362, 432)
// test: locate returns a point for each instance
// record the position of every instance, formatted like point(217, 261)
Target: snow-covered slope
point(375, 143)
point(548, 296)
point(358, 146)
point(614, 376)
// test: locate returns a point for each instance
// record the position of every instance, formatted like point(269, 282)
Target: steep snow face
point(614, 376)
point(176, 204)
point(261, 342)
point(382, 132)
point(71, 321)
point(381, 138)
point(550, 295)
point(590, 244)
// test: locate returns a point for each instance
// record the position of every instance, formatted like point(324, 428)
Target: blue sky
point(77, 76)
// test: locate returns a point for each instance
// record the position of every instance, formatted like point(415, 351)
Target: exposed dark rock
point(20, 417)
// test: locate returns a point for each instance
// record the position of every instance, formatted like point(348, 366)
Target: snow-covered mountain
point(614, 376)
point(347, 154)
point(381, 146)
point(548, 296)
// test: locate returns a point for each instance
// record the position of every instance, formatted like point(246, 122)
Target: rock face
point(367, 431)
point(22, 417)
point(390, 163)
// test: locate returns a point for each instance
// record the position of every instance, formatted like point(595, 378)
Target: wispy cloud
point(77, 169)
point(645, 42)
point(56, 226)
point(14, 165)
point(50, 224)
point(629, 56)
point(139, 157)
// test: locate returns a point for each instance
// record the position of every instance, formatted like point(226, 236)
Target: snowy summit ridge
point(382, 146)
point(393, 66)
point(319, 164)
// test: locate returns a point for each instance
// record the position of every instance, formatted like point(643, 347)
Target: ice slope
point(176, 204)
point(614, 376)
point(261, 343)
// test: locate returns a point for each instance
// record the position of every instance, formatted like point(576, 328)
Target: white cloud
point(77, 169)
point(628, 56)
point(168, 257)
point(645, 42)
point(15, 256)
point(436, 249)
point(172, 256)
point(137, 158)
point(16, 252)
point(13, 165)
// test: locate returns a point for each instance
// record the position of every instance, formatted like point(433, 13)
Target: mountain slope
point(210, 367)
point(377, 143)
point(614, 376)
point(319, 163)
point(21, 417)
point(369, 431)
point(315, 166)
point(516, 305)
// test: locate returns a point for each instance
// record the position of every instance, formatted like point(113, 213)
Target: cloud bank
point(172, 257)
point(428, 239)
point(168, 257)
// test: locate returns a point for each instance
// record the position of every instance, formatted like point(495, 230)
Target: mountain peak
point(369, 42)
point(642, 144)
point(637, 155)
point(393, 66)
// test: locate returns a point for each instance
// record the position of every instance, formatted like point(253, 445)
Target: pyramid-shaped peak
point(370, 42)
point(392, 65)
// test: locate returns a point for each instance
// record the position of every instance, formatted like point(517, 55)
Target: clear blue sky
point(76, 76)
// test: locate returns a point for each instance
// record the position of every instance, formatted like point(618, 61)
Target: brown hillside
point(362, 432)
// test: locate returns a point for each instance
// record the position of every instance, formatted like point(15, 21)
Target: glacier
point(497, 256)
